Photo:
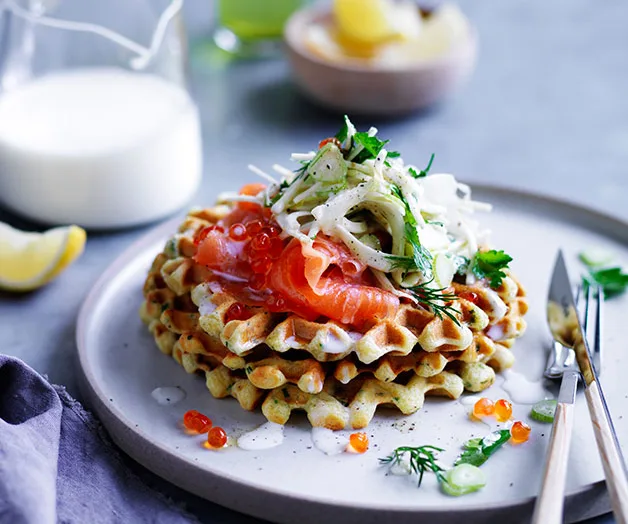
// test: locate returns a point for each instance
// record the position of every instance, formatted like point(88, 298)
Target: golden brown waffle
point(338, 376)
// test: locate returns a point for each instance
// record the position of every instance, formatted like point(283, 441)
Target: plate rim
point(88, 383)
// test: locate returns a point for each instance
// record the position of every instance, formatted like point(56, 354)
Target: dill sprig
point(421, 459)
point(436, 299)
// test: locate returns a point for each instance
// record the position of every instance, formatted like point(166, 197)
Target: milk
point(99, 147)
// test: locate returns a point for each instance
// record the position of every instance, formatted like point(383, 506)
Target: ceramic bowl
point(357, 88)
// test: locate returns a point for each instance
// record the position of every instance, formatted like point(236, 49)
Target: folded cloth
point(58, 465)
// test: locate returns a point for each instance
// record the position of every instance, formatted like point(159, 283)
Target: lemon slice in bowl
point(372, 22)
point(30, 260)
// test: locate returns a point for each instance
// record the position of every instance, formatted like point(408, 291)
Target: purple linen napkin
point(57, 465)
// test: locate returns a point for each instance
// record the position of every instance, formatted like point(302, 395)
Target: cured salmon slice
point(348, 302)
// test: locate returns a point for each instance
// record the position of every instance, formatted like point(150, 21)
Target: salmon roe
point(483, 408)
point(195, 421)
point(358, 442)
point(202, 234)
point(238, 232)
point(503, 410)
point(520, 432)
point(217, 437)
point(254, 227)
point(237, 311)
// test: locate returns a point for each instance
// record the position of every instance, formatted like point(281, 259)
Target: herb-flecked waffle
point(335, 373)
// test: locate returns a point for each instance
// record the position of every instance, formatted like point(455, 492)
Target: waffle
point(337, 375)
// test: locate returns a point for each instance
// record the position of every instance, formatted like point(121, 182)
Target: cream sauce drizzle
point(266, 436)
point(522, 390)
point(168, 396)
point(328, 441)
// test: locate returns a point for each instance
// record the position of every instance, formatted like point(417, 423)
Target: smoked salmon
point(321, 279)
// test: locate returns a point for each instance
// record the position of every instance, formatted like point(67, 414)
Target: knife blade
point(563, 319)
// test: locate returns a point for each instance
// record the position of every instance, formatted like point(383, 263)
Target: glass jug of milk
point(96, 125)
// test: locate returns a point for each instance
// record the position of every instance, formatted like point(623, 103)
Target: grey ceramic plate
point(295, 482)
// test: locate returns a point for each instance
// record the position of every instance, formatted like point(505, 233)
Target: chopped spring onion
point(544, 411)
point(462, 479)
point(596, 257)
point(477, 451)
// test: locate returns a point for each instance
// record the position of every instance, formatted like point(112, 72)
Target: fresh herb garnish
point(344, 130)
point(400, 262)
point(421, 257)
point(421, 459)
point(436, 299)
point(613, 280)
point(456, 481)
point(371, 146)
point(423, 172)
point(489, 264)
point(478, 450)
point(391, 154)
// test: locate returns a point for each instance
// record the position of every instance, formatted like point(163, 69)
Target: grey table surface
point(545, 111)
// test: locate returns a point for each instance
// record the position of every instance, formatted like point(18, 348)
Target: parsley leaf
point(371, 146)
point(613, 280)
point(489, 264)
point(477, 451)
point(391, 154)
point(423, 173)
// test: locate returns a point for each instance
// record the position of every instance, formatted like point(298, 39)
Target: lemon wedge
point(30, 260)
point(373, 22)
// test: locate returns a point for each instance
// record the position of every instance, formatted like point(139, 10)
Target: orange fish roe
point(195, 421)
point(358, 442)
point(483, 408)
point(503, 410)
point(237, 311)
point(217, 437)
point(520, 432)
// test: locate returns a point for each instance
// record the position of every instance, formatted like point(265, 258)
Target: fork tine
point(597, 337)
point(587, 311)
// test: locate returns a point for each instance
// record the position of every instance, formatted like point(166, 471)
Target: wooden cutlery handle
point(610, 453)
point(549, 504)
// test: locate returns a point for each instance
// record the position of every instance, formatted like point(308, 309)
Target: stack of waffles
point(337, 375)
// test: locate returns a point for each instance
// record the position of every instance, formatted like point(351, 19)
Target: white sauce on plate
point(328, 441)
point(267, 436)
point(522, 390)
point(168, 396)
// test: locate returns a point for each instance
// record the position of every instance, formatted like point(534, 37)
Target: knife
point(548, 508)
point(567, 329)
